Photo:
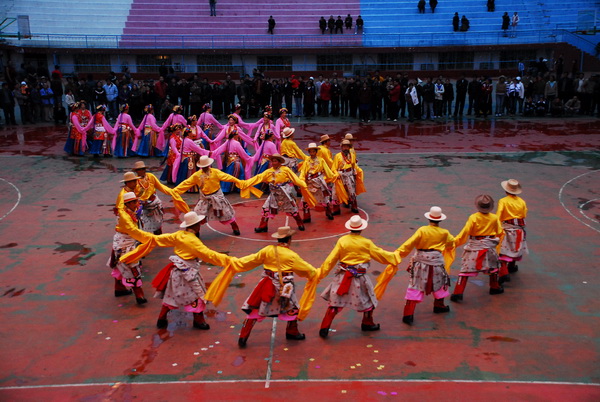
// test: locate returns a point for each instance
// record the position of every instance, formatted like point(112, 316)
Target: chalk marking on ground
point(270, 241)
point(271, 352)
point(560, 199)
point(18, 198)
point(582, 209)
point(299, 381)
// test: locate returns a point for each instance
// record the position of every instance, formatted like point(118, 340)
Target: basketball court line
point(18, 198)
point(560, 199)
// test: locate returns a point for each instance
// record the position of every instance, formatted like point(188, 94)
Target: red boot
point(120, 289)
point(354, 205)
point(409, 311)
point(367, 322)
point(504, 276)
point(306, 211)
point(236, 228)
point(327, 320)
point(495, 288)
point(162, 321)
point(245, 333)
point(263, 227)
point(200, 322)
point(440, 307)
point(459, 289)
point(139, 295)
point(336, 210)
point(292, 332)
point(299, 222)
point(329, 212)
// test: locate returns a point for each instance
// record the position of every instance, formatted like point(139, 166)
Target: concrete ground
point(66, 337)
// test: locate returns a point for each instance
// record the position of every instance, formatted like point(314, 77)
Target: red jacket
point(395, 93)
point(326, 91)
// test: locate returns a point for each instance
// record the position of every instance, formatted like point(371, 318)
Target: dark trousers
point(460, 105)
point(9, 115)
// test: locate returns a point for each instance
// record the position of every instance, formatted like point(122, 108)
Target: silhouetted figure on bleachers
point(272, 24)
point(331, 24)
point(213, 7)
point(348, 22)
point(433, 4)
point(322, 25)
point(359, 25)
point(455, 22)
point(505, 23)
point(464, 24)
point(421, 6)
point(491, 5)
point(339, 25)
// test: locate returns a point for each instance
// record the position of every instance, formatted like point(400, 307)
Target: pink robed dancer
point(102, 133)
point(126, 131)
point(209, 124)
point(77, 139)
point(262, 127)
point(187, 156)
point(174, 145)
point(150, 139)
point(196, 133)
point(231, 127)
point(262, 158)
point(282, 122)
point(175, 117)
point(241, 122)
point(234, 154)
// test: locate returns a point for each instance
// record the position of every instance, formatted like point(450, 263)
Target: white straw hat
point(130, 196)
point(356, 223)
point(511, 186)
point(204, 161)
point(283, 232)
point(139, 165)
point(312, 145)
point(129, 176)
point(287, 132)
point(190, 219)
point(435, 214)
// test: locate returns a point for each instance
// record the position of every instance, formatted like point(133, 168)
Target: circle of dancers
point(296, 183)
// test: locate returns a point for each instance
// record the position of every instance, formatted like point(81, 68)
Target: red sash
point(345, 285)
point(162, 278)
point(264, 291)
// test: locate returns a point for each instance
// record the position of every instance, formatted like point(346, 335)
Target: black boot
point(263, 226)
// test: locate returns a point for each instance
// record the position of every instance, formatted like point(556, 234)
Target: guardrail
point(213, 42)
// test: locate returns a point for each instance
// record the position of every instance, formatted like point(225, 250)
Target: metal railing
point(213, 42)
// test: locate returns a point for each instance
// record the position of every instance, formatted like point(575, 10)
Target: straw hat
point(130, 196)
point(324, 138)
point(484, 203)
point(511, 186)
point(129, 176)
point(435, 214)
point(349, 137)
point(356, 223)
point(204, 161)
point(283, 232)
point(190, 219)
point(346, 142)
point(312, 145)
point(278, 157)
point(139, 165)
point(287, 132)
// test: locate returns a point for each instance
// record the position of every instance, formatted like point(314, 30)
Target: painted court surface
point(66, 337)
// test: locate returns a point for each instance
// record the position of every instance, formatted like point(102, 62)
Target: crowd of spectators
point(538, 91)
point(337, 25)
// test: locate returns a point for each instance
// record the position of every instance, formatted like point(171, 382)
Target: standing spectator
point(135, 103)
point(364, 102)
point(359, 25)
point(318, 84)
point(521, 68)
point(57, 89)
point(551, 90)
point(272, 24)
point(339, 25)
point(348, 22)
point(501, 89)
point(559, 65)
point(485, 103)
point(428, 100)
point(448, 98)
point(47, 101)
point(412, 100)
point(439, 98)
point(111, 99)
point(309, 99)
point(353, 88)
point(160, 91)
point(394, 94)
point(99, 94)
point(455, 22)
point(56, 72)
point(345, 100)
point(7, 102)
point(228, 93)
point(512, 93)
point(325, 92)
point(376, 98)
point(322, 25)
point(213, 7)
point(491, 5)
point(298, 92)
point(421, 6)
point(520, 94)
point(505, 23)
point(473, 90)
point(514, 22)
point(331, 24)
point(565, 86)
point(124, 95)
point(433, 4)
point(69, 99)
point(462, 86)
point(22, 94)
point(336, 93)
point(35, 103)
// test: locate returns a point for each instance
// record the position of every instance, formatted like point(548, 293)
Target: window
point(395, 61)
point(92, 63)
point(334, 62)
point(274, 63)
point(150, 63)
point(455, 60)
point(214, 63)
point(510, 58)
